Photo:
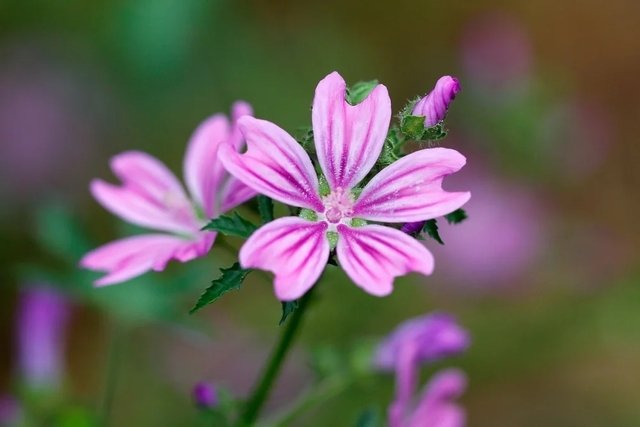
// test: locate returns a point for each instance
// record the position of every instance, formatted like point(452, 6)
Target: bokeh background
point(544, 274)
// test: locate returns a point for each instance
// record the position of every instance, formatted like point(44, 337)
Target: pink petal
point(348, 138)
point(437, 407)
point(130, 257)
point(373, 255)
point(294, 249)
point(234, 194)
point(239, 109)
point(274, 164)
point(151, 196)
point(203, 173)
point(410, 189)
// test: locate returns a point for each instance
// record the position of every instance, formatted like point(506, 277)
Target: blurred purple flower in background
point(48, 120)
point(434, 105)
point(10, 412)
point(205, 395)
point(42, 320)
point(436, 406)
point(415, 342)
point(499, 242)
point(496, 52)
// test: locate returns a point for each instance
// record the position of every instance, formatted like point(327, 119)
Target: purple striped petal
point(294, 249)
point(150, 195)
point(434, 106)
point(410, 189)
point(373, 255)
point(130, 257)
point(274, 164)
point(203, 173)
point(348, 138)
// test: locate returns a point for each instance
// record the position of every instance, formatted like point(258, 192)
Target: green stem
point(115, 347)
point(263, 387)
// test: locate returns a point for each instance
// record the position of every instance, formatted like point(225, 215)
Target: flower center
point(338, 205)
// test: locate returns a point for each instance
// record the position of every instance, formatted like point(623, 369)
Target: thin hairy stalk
point(270, 373)
point(116, 341)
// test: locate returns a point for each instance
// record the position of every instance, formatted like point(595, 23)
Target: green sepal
point(231, 279)
point(265, 208)
point(305, 138)
point(233, 225)
point(358, 92)
point(323, 186)
point(431, 228)
point(413, 127)
point(308, 214)
point(332, 237)
point(457, 216)
point(435, 132)
point(358, 222)
point(288, 307)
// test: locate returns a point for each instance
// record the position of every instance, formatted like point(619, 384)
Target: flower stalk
point(264, 385)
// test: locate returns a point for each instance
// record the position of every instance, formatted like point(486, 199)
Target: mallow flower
point(348, 141)
point(418, 341)
point(151, 196)
point(436, 407)
point(42, 319)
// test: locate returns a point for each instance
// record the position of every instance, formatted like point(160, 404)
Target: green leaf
point(435, 132)
point(231, 225)
point(265, 207)
point(370, 417)
point(359, 91)
point(413, 127)
point(431, 228)
point(288, 307)
point(457, 216)
point(231, 279)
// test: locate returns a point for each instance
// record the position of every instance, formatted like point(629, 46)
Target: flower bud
point(205, 395)
point(434, 106)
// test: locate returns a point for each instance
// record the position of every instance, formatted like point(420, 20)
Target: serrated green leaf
point(431, 228)
point(457, 216)
point(359, 91)
point(413, 127)
point(231, 279)
point(233, 225)
point(265, 208)
point(288, 307)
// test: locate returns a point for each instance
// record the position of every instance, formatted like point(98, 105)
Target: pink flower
point(434, 106)
point(151, 196)
point(435, 408)
point(348, 141)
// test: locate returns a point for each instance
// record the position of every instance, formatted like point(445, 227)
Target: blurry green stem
point(116, 338)
point(263, 387)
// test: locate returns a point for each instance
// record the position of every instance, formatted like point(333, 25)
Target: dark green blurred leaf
point(359, 91)
point(265, 208)
point(457, 216)
point(431, 228)
point(370, 417)
point(288, 307)
point(231, 279)
point(59, 233)
point(233, 225)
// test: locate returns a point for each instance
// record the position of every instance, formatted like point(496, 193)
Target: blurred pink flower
point(436, 406)
point(49, 120)
point(496, 52)
point(10, 412)
point(151, 196)
point(417, 341)
point(434, 105)
point(205, 395)
point(42, 319)
point(348, 140)
point(499, 242)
